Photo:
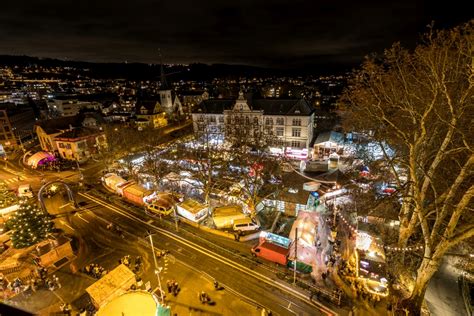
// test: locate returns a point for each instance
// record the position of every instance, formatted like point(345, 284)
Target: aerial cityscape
point(286, 158)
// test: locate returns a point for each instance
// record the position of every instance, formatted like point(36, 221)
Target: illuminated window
point(296, 122)
point(280, 131)
point(295, 143)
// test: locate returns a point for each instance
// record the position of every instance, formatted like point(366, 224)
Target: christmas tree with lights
point(29, 225)
point(7, 197)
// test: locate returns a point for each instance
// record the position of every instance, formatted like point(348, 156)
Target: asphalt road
point(243, 276)
point(443, 295)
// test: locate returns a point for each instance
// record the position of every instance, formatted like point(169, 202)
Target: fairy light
point(392, 248)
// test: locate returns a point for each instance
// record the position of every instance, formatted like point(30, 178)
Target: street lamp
point(157, 269)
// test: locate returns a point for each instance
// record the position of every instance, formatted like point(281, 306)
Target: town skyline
point(313, 34)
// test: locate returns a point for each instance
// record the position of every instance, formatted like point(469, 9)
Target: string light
point(392, 248)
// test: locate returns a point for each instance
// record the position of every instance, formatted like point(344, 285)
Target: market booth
point(307, 225)
point(41, 158)
point(134, 303)
point(110, 286)
point(370, 261)
point(192, 210)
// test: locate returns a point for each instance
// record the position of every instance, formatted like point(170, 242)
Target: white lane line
point(85, 220)
point(217, 257)
point(66, 224)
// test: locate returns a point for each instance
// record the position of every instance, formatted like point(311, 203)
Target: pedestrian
point(216, 284)
point(56, 281)
point(50, 285)
point(67, 309)
point(168, 285)
point(34, 284)
point(175, 288)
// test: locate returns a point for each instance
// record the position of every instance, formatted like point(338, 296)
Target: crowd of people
point(95, 270)
point(173, 287)
point(134, 266)
point(38, 280)
point(205, 298)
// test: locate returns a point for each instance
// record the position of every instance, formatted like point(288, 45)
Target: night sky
point(269, 33)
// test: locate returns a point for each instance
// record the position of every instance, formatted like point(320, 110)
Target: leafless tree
point(420, 103)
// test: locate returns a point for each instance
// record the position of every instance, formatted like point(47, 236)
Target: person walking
point(56, 281)
point(168, 285)
point(175, 288)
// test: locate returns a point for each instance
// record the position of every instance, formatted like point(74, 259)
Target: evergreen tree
point(7, 197)
point(29, 225)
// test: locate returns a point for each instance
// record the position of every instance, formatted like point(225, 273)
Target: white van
point(245, 225)
point(25, 190)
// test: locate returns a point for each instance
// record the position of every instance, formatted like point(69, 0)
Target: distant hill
point(140, 71)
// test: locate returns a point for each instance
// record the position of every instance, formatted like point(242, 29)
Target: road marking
point(215, 256)
point(57, 295)
point(65, 224)
point(85, 220)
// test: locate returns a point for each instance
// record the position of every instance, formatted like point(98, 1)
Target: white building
point(70, 107)
point(288, 122)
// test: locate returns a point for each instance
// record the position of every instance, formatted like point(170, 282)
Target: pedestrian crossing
point(13, 180)
point(17, 178)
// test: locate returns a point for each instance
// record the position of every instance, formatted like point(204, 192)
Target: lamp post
point(157, 270)
point(296, 255)
point(175, 218)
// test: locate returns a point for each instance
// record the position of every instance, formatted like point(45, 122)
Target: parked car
point(155, 209)
point(245, 225)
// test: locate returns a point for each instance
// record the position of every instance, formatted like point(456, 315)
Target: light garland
point(355, 230)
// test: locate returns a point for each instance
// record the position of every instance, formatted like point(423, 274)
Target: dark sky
point(270, 33)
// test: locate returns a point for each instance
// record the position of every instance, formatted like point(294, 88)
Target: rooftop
point(192, 206)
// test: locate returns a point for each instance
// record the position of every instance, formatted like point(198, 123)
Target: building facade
point(7, 136)
point(70, 107)
point(285, 126)
point(80, 144)
point(68, 138)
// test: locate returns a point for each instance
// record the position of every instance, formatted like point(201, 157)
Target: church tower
point(166, 99)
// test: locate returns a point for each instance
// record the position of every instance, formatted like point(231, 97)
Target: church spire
point(164, 83)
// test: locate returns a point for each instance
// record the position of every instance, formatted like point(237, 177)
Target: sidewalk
point(187, 301)
point(191, 284)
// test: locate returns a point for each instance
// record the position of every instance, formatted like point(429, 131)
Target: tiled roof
point(297, 107)
point(61, 123)
point(148, 104)
point(214, 106)
point(332, 136)
point(78, 132)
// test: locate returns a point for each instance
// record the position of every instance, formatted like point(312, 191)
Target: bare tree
point(420, 103)
point(258, 172)
point(205, 158)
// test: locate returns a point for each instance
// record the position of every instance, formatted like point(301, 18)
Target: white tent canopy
point(35, 159)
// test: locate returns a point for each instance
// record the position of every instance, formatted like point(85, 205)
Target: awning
point(37, 158)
